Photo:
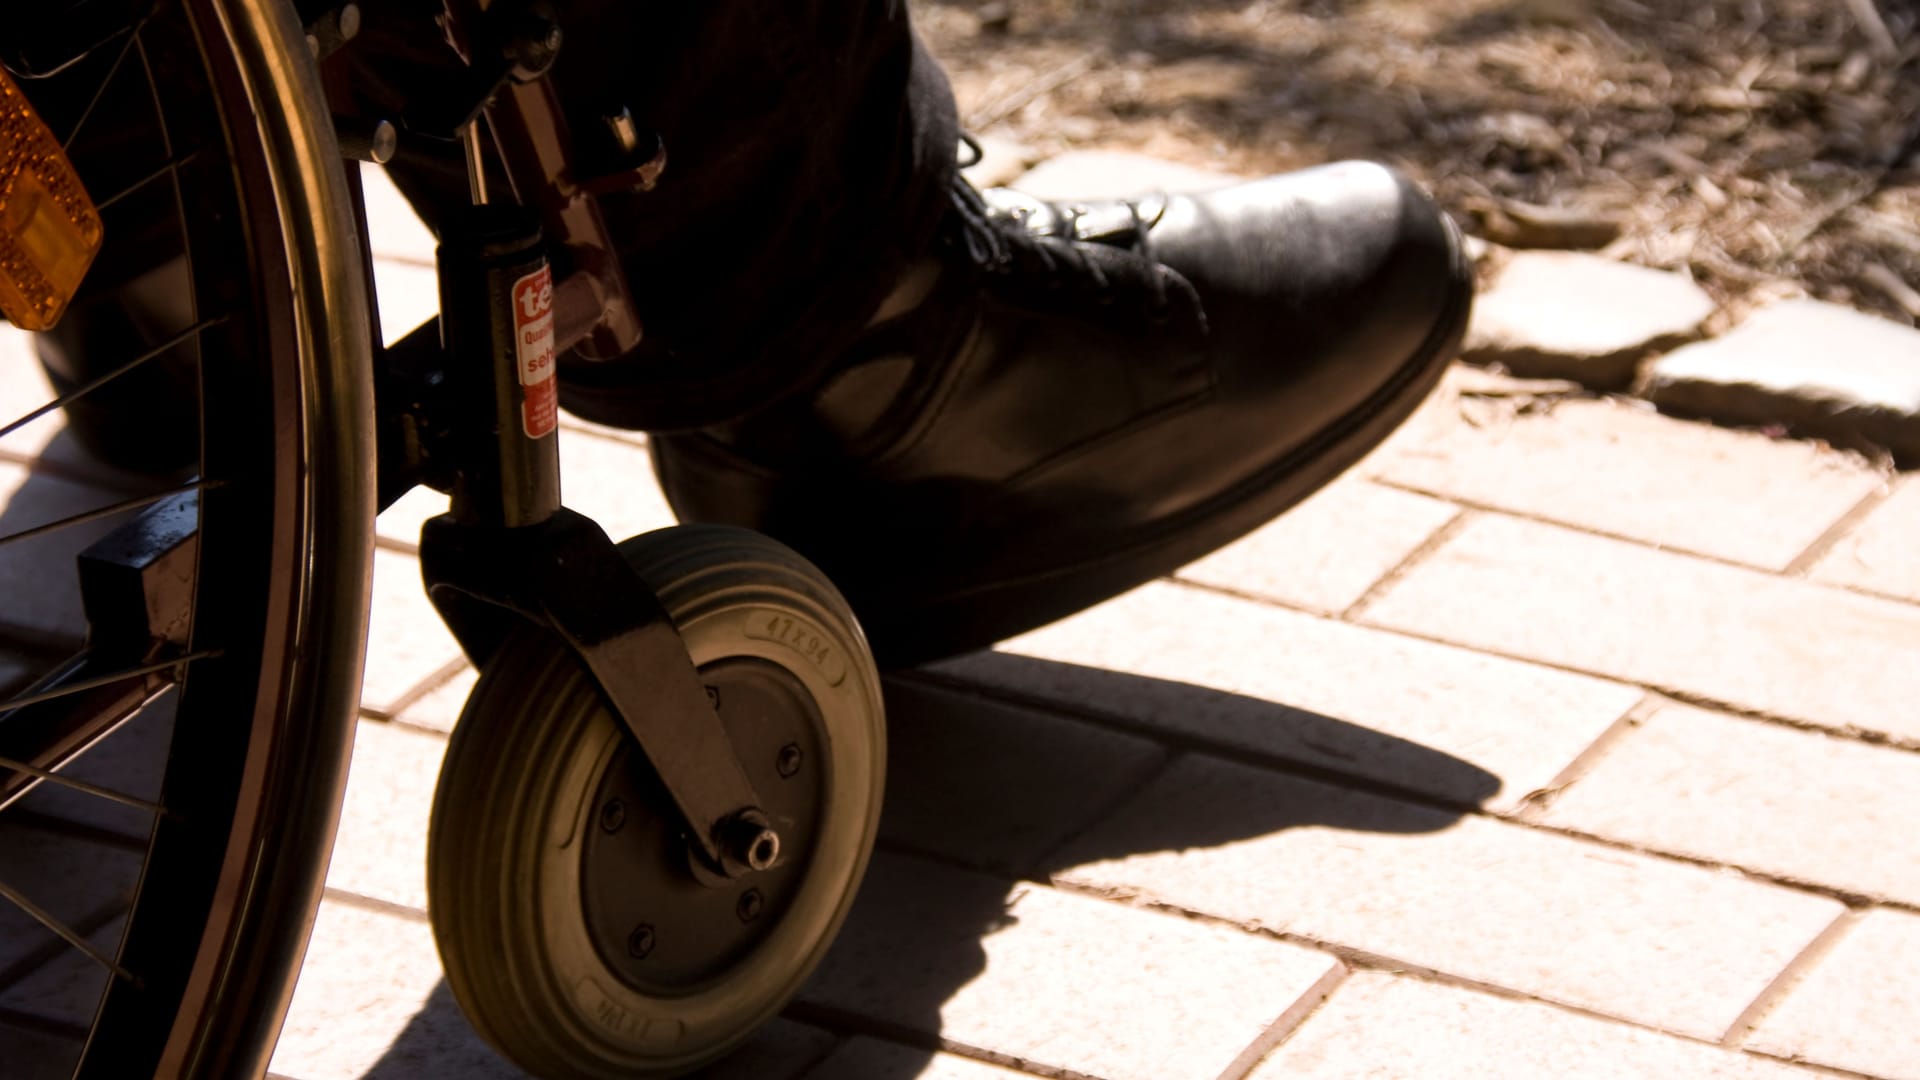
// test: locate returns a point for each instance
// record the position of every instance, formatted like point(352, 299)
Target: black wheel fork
point(468, 407)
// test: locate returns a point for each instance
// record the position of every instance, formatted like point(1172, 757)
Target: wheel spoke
point(132, 34)
point(68, 398)
point(107, 511)
point(66, 933)
point(62, 780)
point(166, 167)
point(104, 680)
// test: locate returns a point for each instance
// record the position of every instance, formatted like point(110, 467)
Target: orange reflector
point(49, 229)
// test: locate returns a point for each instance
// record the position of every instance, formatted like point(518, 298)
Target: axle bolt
point(713, 696)
point(640, 942)
point(750, 905)
point(613, 815)
point(789, 760)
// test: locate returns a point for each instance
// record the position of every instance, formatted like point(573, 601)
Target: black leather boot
point(1070, 400)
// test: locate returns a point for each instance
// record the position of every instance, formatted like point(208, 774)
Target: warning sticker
point(533, 337)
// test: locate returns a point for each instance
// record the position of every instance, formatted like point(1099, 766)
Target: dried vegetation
point(1768, 147)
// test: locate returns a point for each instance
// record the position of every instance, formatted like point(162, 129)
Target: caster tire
point(573, 932)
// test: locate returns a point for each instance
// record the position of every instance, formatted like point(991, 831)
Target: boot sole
point(966, 621)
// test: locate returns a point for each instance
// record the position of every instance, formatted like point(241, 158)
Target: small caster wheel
point(574, 932)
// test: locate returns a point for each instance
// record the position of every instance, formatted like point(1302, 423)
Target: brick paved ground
point(1560, 738)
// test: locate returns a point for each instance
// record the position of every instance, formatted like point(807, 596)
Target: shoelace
point(1031, 269)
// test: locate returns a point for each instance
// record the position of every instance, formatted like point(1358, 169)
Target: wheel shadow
point(988, 794)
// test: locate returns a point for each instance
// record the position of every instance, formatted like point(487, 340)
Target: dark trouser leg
point(810, 147)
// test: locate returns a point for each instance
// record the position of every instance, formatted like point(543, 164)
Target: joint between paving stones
point(1433, 543)
point(1783, 983)
point(363, 902)
point(1802, 564)
point(1540, 798)
point(391, 714)
point(1287, 1023)
point(846, 1023)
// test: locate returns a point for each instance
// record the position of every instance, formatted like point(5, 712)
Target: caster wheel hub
point(658, 922)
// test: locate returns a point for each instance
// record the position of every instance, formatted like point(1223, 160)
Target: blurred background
point(1769, 147)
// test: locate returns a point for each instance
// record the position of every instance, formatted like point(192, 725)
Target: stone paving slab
point(395, 232)
point(1054, 981)
point(371, 1002)
point(1880, 553)
point(1856, 1009)
point(1828, 370)
point(1378, 1026)
point(871, 1059)
point(406, 641)
point(37, 1055)
point(381, 849)
point(42, 594)
point(1793, 804)
point(1750, 640)
point(1564, 315)
point(439, 708)
point(79, 883)
point(67, 989)
point(1613, 468)
point(1675, 946)
point(993, 785)
point(1324, 554)
point(1460, 726)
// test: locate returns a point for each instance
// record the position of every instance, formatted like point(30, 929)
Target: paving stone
point(1057, 981)
point(1757, 642)
point(407, 294)
point(1106, 174)
point(381, 850)
point(36, 575)
point(66, 990)
point(782, 1050)
point(38, 1055)
point(612, 482)
point(24, 388)
point(440, 707)
point(1376, 1024)
point(1461, 726)
point(131, 761)
point(1789, 803)
point(1561, 315)
point(396, 232)
point(1629, 472)
point(992, 785)
point(371, 1002)
point(1827, 370)
point(1879, 554)
point(406, 641)
point(401, 522)
point(1633, 936)
point(871, 1059)
point(79, 883)
point(1856, 1008)
point(1325, 553)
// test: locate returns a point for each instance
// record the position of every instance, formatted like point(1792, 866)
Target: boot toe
point(1320, 286)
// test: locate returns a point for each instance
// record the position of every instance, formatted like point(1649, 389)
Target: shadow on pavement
point(981, 792)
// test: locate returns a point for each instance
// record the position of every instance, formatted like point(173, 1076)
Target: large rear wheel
point(175, 725)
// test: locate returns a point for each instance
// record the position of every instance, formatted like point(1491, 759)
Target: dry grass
point(1769, 147)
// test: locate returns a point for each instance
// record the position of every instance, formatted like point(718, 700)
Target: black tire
point(517, 814)
point(249, 200)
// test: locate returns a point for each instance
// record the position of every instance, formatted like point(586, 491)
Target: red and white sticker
point(533, 339)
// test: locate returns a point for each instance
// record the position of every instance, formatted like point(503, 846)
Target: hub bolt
point(640, 942)
point(750, 905)
point(713, 696)
point(789, 761)
point(613, 815)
